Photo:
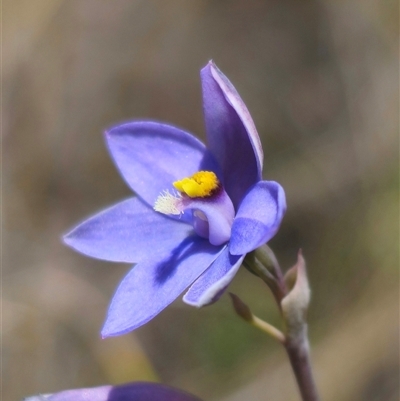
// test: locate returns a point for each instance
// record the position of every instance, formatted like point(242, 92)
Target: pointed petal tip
point(107, 135)
point(108, 331)
point(68, 239)
point(65, 237)
point(211, 69)
point(209, 64)
point(206, 69)
point(104, 333)
point(111, 329)
point(112, 130)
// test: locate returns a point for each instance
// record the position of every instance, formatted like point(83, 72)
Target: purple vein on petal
point(151, 286)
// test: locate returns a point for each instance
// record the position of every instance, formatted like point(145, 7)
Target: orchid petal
point(151, 156)
point(129, 231)
point(139, 391)
point(231, 134)
point(149, 392)
point(258, 218)
point(152, 285)
point(158, 160)
point(82, 394)
point(212, 283)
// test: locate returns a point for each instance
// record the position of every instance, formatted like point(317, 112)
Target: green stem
point(293, 304)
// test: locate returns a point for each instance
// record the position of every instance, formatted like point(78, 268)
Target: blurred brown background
point(321, 81)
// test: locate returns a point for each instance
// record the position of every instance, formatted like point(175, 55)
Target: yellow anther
point(199, 185)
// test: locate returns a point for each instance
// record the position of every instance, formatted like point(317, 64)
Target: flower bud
point(241, 308)
point(295, 303)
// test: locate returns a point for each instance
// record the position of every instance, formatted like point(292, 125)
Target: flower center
point(212, 209)
point(199, 185)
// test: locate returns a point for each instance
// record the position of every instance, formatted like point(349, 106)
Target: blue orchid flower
point(139, 391)
point(198, 211)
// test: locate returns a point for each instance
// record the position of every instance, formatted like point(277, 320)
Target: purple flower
point(125, 392)
point(198, 209)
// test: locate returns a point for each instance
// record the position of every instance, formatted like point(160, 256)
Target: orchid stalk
point(292, 295)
